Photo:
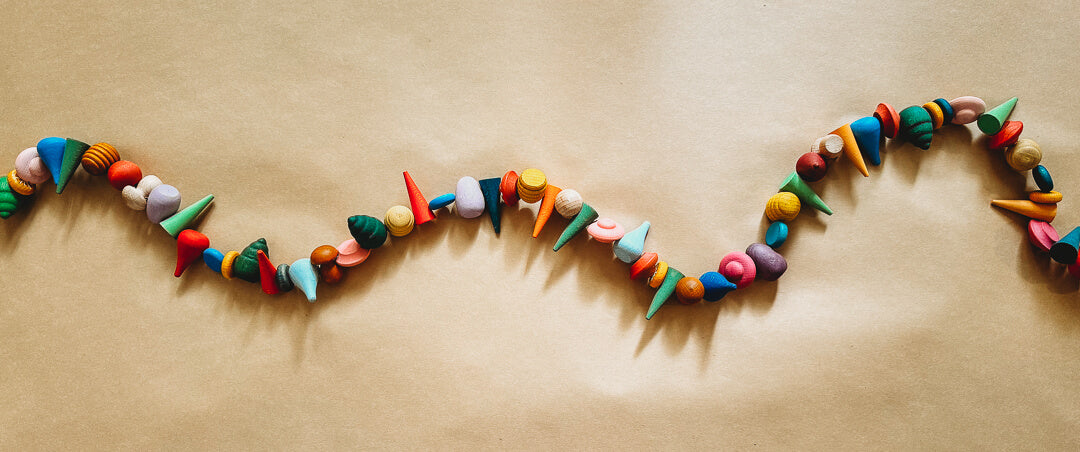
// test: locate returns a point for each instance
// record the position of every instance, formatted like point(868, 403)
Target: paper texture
point(915, 317)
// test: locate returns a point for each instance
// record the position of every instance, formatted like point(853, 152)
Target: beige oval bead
point(399, 221)
point(148, 184)
point(1024, 156)
point(133, 198)
point(783, 206)
point(1050, 197)
point(829, 146)
point(568, 203)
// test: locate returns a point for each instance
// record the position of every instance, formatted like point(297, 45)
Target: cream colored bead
point(399, 221)
point(1024, 156)
point(829, 146)
point(568, 203)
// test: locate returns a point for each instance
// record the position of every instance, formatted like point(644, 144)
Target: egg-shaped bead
point(769, 265)
point(1025, 155)
point(568, 203)
point(689, 290)
point(1042, 178)
point(469, 198)
point(783, 206)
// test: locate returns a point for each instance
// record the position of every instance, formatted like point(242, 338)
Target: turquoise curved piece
point(213, 258)
point(666, 289)
point(632, 244)
point(441, 201)
point(867, 133)
point(776, 235)
point(302, 274)
point(51, 151)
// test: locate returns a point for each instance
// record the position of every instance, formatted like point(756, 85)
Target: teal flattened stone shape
point(916, 126)
point(583, 219)
point(9, 202)
point(213, 258)
point(632, 244)
point(946, 110)
point(664, 291)
point(1042, 178)
point(991, 121)
point(490, 189)
point(302, 275)
point(369, 232)
point(246, 265)
point(776, 235)
point(51, 151)
point(867, 133)
point(1065, 250)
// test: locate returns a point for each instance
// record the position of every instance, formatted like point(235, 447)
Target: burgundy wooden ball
point(811, 167)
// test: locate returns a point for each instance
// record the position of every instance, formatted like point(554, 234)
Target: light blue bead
point(632, 244)
point(51, 151)
point(213, 259)
point(776, 235)
point(441, 201)
point(302, 274)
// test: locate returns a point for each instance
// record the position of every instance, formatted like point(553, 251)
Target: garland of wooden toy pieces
point(61, 157)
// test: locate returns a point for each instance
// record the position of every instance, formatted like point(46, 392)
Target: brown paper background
point(916, 317)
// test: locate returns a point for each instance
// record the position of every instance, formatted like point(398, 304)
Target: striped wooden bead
point(399, 221)
point(99, 158)
point(531, 185)
point(783, 206)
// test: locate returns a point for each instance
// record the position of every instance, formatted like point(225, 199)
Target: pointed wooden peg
point(421, 213)
point(189, 248)
point(851, 148)
point(1041, 212)
point(793, 184)
point(664, 292)
point(991, 121)
point(267, 274)
point(183, 219)
point(582, 220)
point(546, 207)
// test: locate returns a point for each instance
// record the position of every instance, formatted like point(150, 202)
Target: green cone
point(182, 219)
point(583, 219)
point(794, 184)
point(73, 153)
point(991, 121)
point(666, 289)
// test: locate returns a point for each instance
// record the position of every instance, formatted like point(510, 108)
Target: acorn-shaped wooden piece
point(267, 274)
point(369, 232)
point(190, 245)
point(582, 220)
point(851, 148)
point(783, 206)
point(967, 109)
point(916, 127)
point(632, 244)
point(73, 153)
point(185, 218)
point(715, 286)
point(867, 133)
point(811, 167)
point(51, 151)
point(793, 184)
point(99, 158)
point(30, 168)
point(889, 118)
point(469, 198)
point(1042, 212)
point(769, 265)
point(1025, 155)
point(667, 287)
point(246, 265)
point(325, 257)
point(689, 290)
point(547, 206)
point(991, 121)
point(1007, 136)
point(9, 202)
point(302, 275)
point(490, 189)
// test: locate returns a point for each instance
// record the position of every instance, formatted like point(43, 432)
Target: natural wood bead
point(568, 203)
point(399, 221)
point(99, 158)
point(18, 185)
point(531, 185)
point(783, 206)
point(1025, 155)
point(1050, 197)
point(829, 146)
point(689, 290)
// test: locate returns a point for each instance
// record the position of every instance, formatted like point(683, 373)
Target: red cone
point(419, 204)
point(267, 274)
point(190, 245)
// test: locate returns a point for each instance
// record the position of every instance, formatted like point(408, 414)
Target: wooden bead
point(777, 234)
point(547, 206)
point(811, 167)
point(667, 287)
point(605, 230)
point(124, 173)
point(1043, 212)
point(644, 266)
point(867, 133)
point(946, 109)
point(441, 201)
point(324, 254)
point(1050, 197)
point(889, 118)
point(508, 188)
point(18, 185)
point(582, 220)
point(399, 222)
point(937, 117)
point(246, 265)
point(190, 245)
point(187, 216)
point(829, 146)
point(1025, 155)
point(420, 211)
point(1007, 136)
point(738, 268)
point(490, 189)
point(631, 245)
point(1042, 178)
point(267, 274)
point(1065, 249)
point(281, 278)
point(51, 151)
point(715, 285)
point(1042, 234)
point(568, 203)
point(9, 201)
point(368, 231)
point(967, 109)
point(658, 275)
point(162, 203)
point(689, 290)
point(73, 152)
point(468, 198)
point(782, 206)
point(916, 126)
point(212, 258)
point(793, 184)
point(30, 168)
point(531, 185)
point(302, 275)
point(991, 121)
point(227, 264)
point(351, 254)
point(769, 264)
point(330, 273)
point(851, 148)
point(99, 158)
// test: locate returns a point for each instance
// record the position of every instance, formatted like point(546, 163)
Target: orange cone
point(546, 207)
point(851, 148)
point(421, 213)
point(1041, 212)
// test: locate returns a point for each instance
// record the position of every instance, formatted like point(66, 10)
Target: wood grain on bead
point(531, 185)
point(967, 109)
point(829, 146)
point(811, 167)
point(30, 168)
point(783, 206)
point(1042, 234)
point(658, 274)
point(190, 245)
point(399, 222)
point(1023, 156)
point(716, 286)
point(18, 185)
point(351, 254)
point(851, 148)
point(916, 126)
point(124, 173)
point(547, 206)
point(644, 266)
point(793, 184)
point(889, 118)
point(1049, 197)
point(738, 268)
point(605, 230)
point(99, 158)
point(937, 117)
point(769, 264)
point(468, 198)
point(1042, 212)
point(688, 290)
point(508, 188)
point(162, 203)
point(568, 203)
point(1007, 136)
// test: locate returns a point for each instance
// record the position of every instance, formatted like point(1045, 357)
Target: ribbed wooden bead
point(689, 290)
point(1025, 155)
point(18, 185)
point(99, 158)
point(399, 221)
point(783, 206)
point(531, 185)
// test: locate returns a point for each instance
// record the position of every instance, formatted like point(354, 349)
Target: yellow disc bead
point(531, 185)
point(1051, 197)
point(227, 264)
point(658, 276)
point(783, 206)
point(399, 221)
point(937, 117)
point(18, 185)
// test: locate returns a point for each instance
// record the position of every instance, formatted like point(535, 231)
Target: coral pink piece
point(350, 254)
point(738, 268)
point(1042, 234)
point(605, 230)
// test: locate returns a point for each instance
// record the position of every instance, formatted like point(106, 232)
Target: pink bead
point(738, 268)
point(30, 168)
point(350, 254)
point(605, 230)
point(1042, 234)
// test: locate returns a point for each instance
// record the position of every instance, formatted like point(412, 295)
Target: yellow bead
point(658, 276)
point(227, 264)
point(937, 117)
point(531, 185)
point(1051, 197)
point(399, 221)
point(18, 185)
point(783, 206)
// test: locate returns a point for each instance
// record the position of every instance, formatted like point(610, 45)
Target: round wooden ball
point(811, 167)
point(689, 290)
point(124, 173)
